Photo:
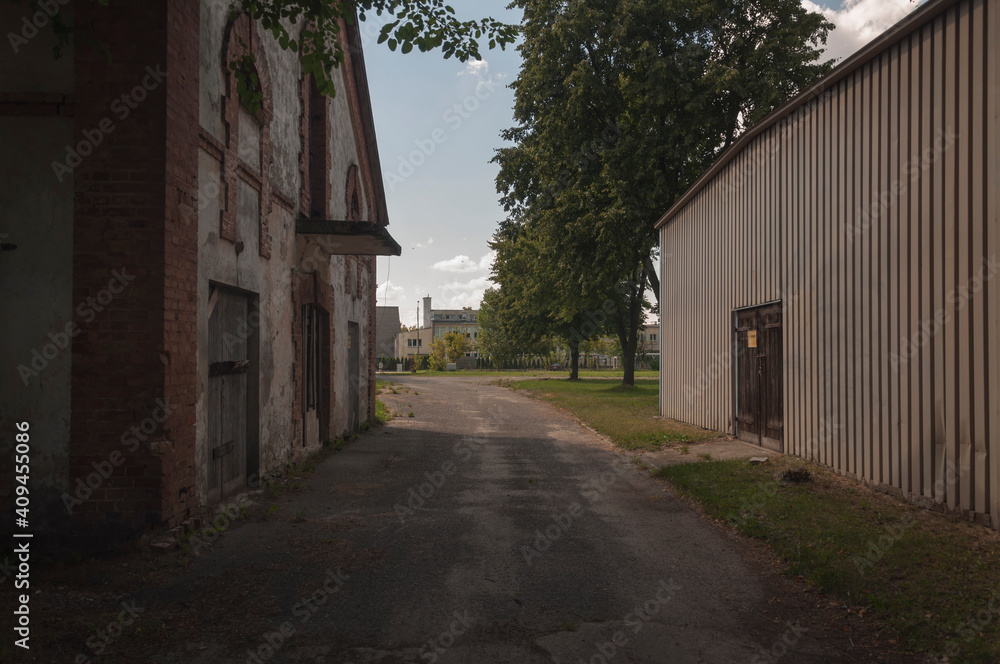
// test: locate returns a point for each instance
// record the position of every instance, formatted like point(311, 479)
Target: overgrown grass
point(382, 414)
point(932, 580)
point(624, 416)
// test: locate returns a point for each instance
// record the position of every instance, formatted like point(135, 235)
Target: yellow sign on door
point(751, 338)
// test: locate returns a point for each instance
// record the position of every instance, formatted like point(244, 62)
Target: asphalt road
point(490, 527)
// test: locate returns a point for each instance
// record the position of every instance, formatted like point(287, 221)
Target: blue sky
point(438, 123)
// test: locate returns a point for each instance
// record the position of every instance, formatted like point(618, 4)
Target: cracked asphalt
point(489, 527)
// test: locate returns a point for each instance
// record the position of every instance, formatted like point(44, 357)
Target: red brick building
point(189, 286)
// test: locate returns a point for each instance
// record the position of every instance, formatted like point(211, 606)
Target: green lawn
point(932, 580)
point(624, 416)
point(529, 373)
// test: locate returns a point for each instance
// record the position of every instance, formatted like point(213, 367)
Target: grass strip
point(625, 416)
point(933, 580)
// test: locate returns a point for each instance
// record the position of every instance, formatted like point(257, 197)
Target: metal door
point(747, 377)
point(228, 332)
point(759, 379)
point(353, 376)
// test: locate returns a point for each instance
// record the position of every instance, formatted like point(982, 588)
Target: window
point(319, 159)
point(353, 189)
point(414, 343)
point(652, 337)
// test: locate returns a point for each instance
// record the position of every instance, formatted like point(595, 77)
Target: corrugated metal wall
point(871, 213)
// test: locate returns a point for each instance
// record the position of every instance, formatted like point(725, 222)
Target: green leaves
point(620, 105)
point(422, 24)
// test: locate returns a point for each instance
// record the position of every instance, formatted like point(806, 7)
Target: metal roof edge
point(896, 33)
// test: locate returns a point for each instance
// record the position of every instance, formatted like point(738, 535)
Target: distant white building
point(437, 323)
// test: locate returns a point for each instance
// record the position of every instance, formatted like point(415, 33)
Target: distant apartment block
point(437, 323)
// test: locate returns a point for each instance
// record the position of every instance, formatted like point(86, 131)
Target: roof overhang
point(357, 238)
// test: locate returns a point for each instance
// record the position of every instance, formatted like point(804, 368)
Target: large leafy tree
point(619, 106)
point(527, 311)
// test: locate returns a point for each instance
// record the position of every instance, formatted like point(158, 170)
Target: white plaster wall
point(348, 308)
point(212, 80)
point(286, 95)
point(343, 152)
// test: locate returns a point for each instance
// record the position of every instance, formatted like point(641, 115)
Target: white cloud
point(486, 262)
point(464, 294)
point(858, 22)
point(463, 263)
point(477, 68)
point(389, 294)
point(421, 245)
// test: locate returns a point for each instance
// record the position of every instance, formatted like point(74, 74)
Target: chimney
point(427, 324)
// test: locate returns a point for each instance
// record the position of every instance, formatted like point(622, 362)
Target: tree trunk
point(628, 330)
point(574, 364)
point(628, 364)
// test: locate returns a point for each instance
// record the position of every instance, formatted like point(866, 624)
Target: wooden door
point(353, 376)
point(313, 370)
point(228, 363)
point(759, 376)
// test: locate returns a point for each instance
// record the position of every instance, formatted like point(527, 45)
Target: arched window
point(247, 158)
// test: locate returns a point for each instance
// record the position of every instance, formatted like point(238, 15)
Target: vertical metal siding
point(870, 213)
point(991, 173)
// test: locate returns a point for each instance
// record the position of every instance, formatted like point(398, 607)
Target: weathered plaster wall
point(214, 17)
point(348, 307)
point(220, 263)
point(272, 280)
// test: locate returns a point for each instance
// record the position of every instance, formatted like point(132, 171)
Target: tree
point(448, 348)
point(620, 105)
point(527, 308)
point(496, 340)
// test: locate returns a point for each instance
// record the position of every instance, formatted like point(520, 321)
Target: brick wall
point(134, 213)
point(180, 287)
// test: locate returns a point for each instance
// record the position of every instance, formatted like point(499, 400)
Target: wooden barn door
point(759, 376)
point(353, 376)
point(228, 363)
point(315, 388)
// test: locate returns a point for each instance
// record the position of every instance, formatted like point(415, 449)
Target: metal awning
point(358, 238)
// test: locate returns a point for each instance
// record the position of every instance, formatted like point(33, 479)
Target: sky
point(438, 123)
